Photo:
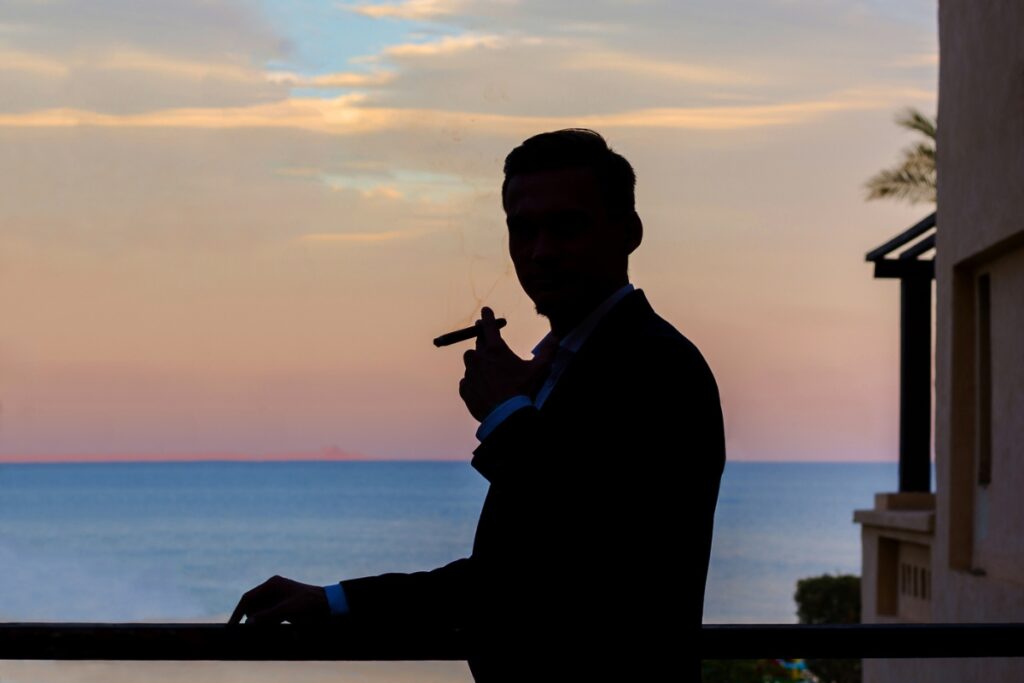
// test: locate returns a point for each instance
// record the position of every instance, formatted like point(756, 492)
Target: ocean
point(182, 541)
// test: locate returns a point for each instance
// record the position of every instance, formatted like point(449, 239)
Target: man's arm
point(441, 596)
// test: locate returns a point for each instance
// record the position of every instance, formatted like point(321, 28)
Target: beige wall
point(998, 537)
point(981, 140)
point(981, 231)
point(978, 548)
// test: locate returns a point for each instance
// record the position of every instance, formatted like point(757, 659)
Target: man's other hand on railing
point(278, 600)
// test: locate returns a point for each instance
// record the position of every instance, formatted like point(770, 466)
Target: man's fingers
point(279, 599)
point(245, 604)
point(306, 607)
point(490, 334)
point(272, 615)
point(256, 599)
point(236, 616)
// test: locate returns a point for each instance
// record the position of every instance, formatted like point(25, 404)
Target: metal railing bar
point(361, 642)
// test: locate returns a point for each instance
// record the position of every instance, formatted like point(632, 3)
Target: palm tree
point(913, 179)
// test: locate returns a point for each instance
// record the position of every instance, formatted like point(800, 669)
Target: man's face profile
point(568, 251)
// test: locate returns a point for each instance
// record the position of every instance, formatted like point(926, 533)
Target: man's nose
point(545, 246)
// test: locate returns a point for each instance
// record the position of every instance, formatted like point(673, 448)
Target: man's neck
point(562, 325)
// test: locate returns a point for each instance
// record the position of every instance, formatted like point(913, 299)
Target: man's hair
point(572, 148)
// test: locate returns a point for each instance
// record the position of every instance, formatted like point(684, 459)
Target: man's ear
point(634, 231)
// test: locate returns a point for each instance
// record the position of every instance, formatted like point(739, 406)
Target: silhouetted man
point(604, 454)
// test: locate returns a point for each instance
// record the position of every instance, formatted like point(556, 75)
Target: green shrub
point(830, 599)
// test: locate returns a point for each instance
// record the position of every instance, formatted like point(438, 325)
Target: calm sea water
point(182, 541)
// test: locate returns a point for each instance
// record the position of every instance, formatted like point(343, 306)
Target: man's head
point(569, 206)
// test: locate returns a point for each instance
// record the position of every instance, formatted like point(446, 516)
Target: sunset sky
point(232, 229)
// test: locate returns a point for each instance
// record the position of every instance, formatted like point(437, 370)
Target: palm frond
point(912, 119)
point(914, 178)
point(910, 184)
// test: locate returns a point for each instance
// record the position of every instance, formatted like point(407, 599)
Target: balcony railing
point(341, 642)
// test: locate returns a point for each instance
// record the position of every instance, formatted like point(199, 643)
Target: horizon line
point(335, 456)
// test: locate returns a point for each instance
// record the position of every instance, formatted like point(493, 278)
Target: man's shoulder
point(641, 328)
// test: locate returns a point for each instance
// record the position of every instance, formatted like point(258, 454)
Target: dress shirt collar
point(574, 340)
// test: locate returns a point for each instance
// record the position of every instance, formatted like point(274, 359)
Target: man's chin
point(551, 309)
point(573, 306)
point(546, 308)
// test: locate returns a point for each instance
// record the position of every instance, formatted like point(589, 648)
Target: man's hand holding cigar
point(494, 373)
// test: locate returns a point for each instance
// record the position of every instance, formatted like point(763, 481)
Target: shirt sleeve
point(499, 414)
point(336, 599)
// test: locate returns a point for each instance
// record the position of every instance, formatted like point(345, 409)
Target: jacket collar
point(575, 339)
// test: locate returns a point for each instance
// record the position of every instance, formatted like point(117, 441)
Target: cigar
point(464, 334)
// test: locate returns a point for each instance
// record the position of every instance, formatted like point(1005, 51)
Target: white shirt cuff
point(499, 414)
point(336, 599)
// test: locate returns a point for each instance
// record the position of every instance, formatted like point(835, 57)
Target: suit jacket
point(592, 547)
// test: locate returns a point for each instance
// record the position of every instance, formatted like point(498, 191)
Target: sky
point(231, 229)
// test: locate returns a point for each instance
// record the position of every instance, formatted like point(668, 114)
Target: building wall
point(980, 528)
point(978, 549)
